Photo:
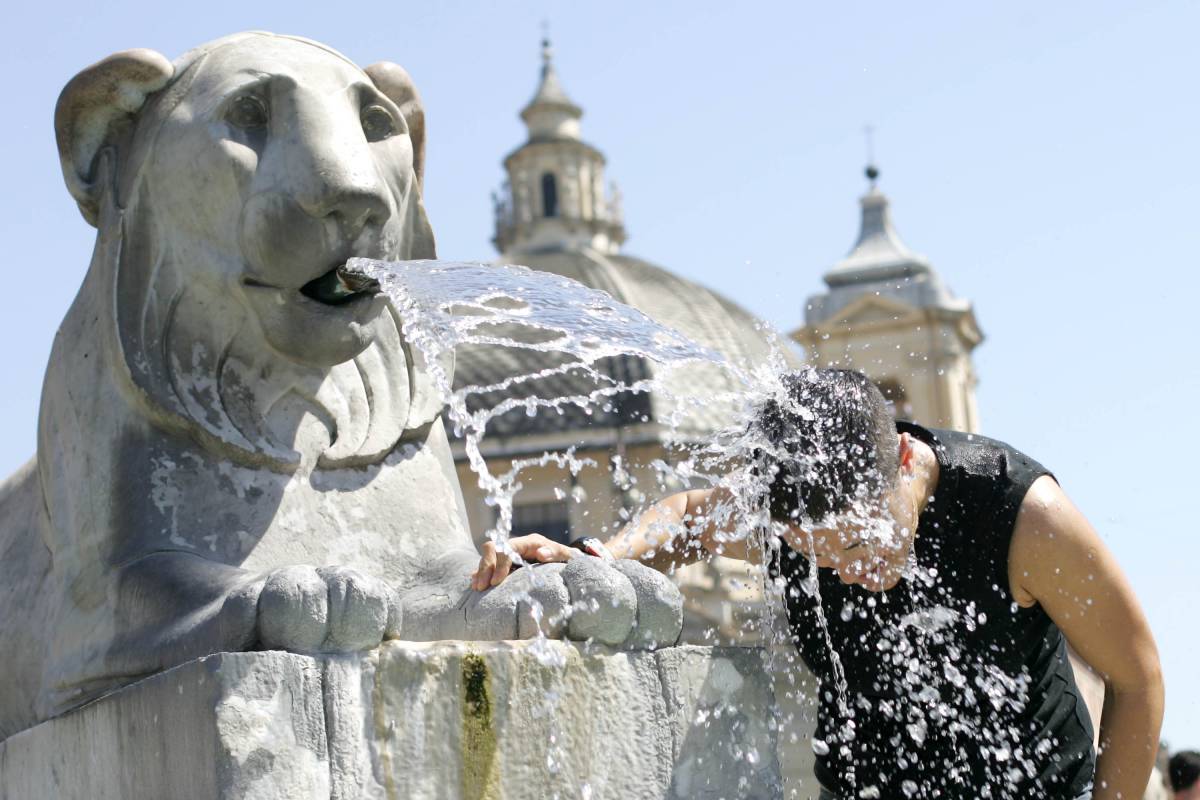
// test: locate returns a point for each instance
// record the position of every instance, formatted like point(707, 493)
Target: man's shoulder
point(980, 466)
point(986, 456)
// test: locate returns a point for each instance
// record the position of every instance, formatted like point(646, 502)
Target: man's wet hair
point(1183, 770)
point(829, 440)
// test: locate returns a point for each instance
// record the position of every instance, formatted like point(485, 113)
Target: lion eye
point(248, 113)
point(377, 123)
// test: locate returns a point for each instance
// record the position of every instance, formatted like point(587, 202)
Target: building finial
point(550, 104)
point(872, 171)
point(547, 49)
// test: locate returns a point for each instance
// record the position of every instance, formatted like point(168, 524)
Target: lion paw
point(620, 604)
point(331, 609)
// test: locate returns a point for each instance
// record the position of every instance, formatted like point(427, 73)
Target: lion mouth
point(339, 287)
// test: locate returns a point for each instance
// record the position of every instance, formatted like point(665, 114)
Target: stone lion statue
point(230, 455)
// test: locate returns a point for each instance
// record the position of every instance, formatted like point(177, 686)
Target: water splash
point(572, 329)
point(568, 349)
point(562, 334)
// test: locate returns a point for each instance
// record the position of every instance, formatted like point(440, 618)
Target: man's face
point(867, 546)
point(869, 543)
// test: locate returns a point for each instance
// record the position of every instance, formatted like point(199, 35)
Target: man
point(932, 580)
point(1184, 773)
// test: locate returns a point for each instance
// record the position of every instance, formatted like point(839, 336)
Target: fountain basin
point(465, 720)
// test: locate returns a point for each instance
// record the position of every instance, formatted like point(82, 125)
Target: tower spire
point(551, 113)
point(555, 194)
point(883, 292)
point(879, 253)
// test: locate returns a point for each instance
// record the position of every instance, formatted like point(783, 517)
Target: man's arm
point(677, 530)
point(1057, 559)
point(682, 529)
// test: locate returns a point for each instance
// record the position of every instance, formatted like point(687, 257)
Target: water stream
point(567, 351)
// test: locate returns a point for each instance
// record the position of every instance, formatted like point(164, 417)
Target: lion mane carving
point(213, 422)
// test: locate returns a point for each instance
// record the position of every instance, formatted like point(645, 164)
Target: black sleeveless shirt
point(952, 689)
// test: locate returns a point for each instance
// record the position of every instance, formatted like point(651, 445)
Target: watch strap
point(593, 547)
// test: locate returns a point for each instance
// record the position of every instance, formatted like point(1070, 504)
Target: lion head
point(226, 188)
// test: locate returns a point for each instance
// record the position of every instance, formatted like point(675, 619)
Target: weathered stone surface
point(474, 720)
point(603, 602)
point(723, 715)
point(228, 726)
point(229, 456)
point(659, 613)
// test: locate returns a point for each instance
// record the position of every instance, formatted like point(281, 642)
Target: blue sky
point(1043, 156)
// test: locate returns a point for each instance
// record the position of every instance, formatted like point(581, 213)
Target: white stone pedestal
point(470, 720)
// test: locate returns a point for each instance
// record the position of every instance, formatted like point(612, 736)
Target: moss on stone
point(479, 774)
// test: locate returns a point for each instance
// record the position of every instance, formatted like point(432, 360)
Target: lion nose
point(334, 176)
point(354, 202)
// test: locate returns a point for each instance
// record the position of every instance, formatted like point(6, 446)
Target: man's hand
point(496, 564)
point(613, 602)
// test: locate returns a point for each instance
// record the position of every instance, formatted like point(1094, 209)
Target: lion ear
point(97, 110)
point(395, 82)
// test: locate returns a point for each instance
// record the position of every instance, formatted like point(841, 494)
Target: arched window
point(549, 195)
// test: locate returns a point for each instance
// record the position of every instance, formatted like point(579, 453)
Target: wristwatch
point(593, 547)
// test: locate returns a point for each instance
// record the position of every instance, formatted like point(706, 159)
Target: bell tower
point(887, 313)
point(555, 196)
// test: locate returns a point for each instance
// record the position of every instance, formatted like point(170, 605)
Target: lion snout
point(286, 246)
point(331, 173)
point(352, 203)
